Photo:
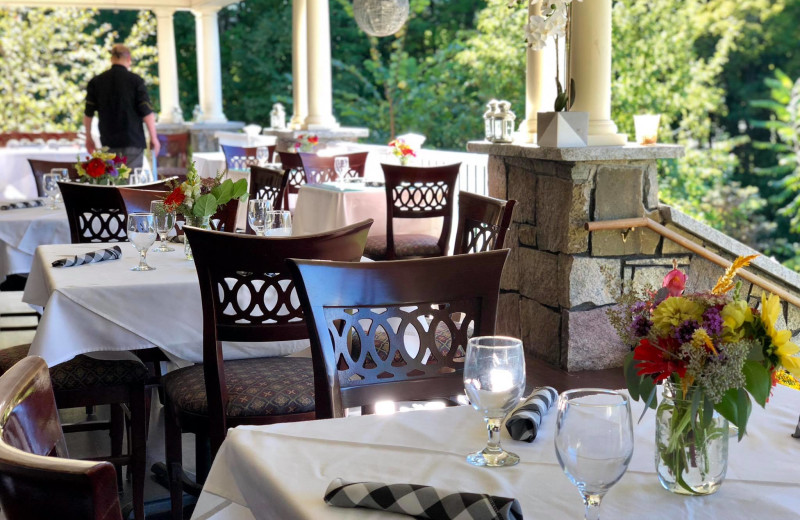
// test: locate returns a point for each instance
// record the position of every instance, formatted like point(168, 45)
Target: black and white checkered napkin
point(101, 255)
point(22, 204)
point(524, 420)
point(421, 501)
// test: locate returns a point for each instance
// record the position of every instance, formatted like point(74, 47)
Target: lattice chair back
point(296, 176)
point(318, 169)
point(95, 213)
point(358, 163)
point(375, 327)
point(482, 223)
point(36, 483)
point(419, 192)
point(269, 184)
point(39, 168)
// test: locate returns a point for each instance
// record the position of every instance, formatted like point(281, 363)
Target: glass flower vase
point(200, 222)
point(691, 451)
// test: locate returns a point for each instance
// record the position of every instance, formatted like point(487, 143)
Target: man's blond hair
point(120, 51)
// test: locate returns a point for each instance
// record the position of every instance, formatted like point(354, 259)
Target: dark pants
point(135, 155)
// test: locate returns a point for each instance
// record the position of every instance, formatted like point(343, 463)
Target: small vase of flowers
point(103, 167)
point(402, 151)
point(306, 143)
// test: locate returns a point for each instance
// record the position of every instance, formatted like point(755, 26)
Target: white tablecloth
point(281, 471)
point(105, 307)
point(16, 177)
point(321, 208)
point(22, 230)
point(209, 163)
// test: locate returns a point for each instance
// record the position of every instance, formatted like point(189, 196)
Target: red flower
point(95, 168)
point(120, 160)
point(175, 198)
point(408, 151)
point(675, 282)
point(313, 139)
point(659, 361)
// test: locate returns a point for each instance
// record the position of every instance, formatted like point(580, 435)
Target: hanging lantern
point(380, 17)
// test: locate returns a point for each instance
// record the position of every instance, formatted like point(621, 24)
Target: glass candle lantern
point(488, 120)
point(504, 123)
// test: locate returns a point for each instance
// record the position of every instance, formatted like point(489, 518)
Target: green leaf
point(708, 411)
point(744, 406)
point(239, 189)
point(697, 396)
point(651, 401)
point(632, 380)
point(223, 192)
point(205, 206)
point(727, 406)
point(757, 381)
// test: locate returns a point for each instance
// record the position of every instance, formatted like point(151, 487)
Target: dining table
point(282, 471)
point(208, 164)
point(16, 178)
point(23, 229)
point(106, 310)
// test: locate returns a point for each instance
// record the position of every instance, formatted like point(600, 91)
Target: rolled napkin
point(101, 255)
point(524, 420)
point(421, 501)
point(22, 204)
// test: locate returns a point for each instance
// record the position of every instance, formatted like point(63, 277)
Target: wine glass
point(64, 173)
point(262, 154)
point(258, 214)
point(278, 224)
point(594, 441)
point(165, 221)
point(50, 184)
point(341, 165)
point(142, 234)
point(494, 379)
point(139, 176)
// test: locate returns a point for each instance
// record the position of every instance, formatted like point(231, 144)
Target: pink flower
point(675, 282)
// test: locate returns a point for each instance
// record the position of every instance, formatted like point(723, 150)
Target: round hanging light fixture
point(380, 17)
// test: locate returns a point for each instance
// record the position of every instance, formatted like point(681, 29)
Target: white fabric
point(322, 209)
point(16, 177)
point(22, 230)
point(209, 163)
point(106, 307)
point(281, 471)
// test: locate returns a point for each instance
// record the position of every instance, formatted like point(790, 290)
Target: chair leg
point(138, 448)
point(202, 456)
point(174, 461)
point(116, 434)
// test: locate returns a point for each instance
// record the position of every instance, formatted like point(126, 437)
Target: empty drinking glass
point(279, 224)
point(138, 176)
point(61, 171)
point(594, 442)
point(262, 154)
point(258, 214)
point(494, 379)
point(50, 184)
point(341, 165)
point(142, 233)
point(165, 221)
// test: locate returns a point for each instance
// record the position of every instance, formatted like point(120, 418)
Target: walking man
point(120, 99)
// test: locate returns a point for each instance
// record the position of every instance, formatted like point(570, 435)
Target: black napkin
point(421, 501)
point(22, 204)
point(101, 255)
point(524, 420)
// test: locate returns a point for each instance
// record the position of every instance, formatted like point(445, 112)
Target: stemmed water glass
point(278, 224)
point(142, 233)
point(262, 154)
point(139, 176)
point(341, 165)
point(258, 214)
point(494, 379)
point(50, 183)
point(165, 221)
point(594, 442)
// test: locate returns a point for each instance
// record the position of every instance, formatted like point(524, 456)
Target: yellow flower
point(734, 315)
point(701, 339)
point(674, 311)
point(782, 346)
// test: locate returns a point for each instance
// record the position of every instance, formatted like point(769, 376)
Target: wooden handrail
point(630, 223)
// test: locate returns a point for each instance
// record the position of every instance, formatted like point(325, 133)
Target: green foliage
point(43, 79)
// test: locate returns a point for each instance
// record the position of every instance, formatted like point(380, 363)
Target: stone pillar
point(558, 281)
point(591, 69)
point(167, 67)
point(320, 95)
point(299, 65)
point(540, 84)
point(209, 74)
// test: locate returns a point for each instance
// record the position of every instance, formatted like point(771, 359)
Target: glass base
point(162, 249)
point(492, 458)
point(143, 268)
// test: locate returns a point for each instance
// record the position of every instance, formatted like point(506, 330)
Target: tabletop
point(16, 177)
point(281, 471)
point(105, 307)
point(22, 230)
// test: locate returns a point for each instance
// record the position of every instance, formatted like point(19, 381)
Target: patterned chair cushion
point(82, 372)
point(256, 387)
point(404, 246)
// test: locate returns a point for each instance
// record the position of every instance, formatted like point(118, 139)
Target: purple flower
point(112, 171)
point(641, 326)
point(638, 307)
point(683, 332)
point(712, 321)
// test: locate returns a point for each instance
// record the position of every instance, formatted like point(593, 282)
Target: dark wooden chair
point(296, 176)
point(415, 192)
point(208, 399)
point(358, 163)
point(319, 169)
point(95, 213)
point(225, 217)
point(267, 183)
point(249, 152)
point(40, 167)
point(138, 201)
point(173, 157)
point(482, 223)
point(37, 480)
point(348, 305)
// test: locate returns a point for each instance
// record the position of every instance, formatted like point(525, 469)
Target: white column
point(320, 96)
point(591, 69)
point(209, 74)
point(540, 83)
point(299, 65)
point(167, 67)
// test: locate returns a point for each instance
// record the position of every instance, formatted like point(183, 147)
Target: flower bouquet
point(306, 143)
point(104, 168)
point(402, 151)
point(715, 354)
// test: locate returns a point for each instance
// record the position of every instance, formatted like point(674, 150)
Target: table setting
point(24, 225)
point(16, 179)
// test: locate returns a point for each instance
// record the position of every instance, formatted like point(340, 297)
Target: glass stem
point(592, 503)
point(493, 428)
point(142, 258)
point(163, 239)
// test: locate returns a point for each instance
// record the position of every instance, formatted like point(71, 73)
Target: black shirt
point(120, 99)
